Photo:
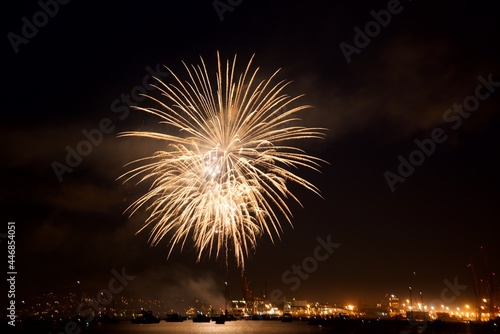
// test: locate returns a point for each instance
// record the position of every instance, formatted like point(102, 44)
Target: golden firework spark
point(222, 179)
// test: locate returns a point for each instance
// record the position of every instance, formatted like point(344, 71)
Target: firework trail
point(222, 179)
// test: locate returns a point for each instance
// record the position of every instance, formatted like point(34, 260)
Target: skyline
point(65, 303)
point(413, 147)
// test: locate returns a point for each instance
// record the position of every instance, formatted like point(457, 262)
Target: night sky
point(379, 98)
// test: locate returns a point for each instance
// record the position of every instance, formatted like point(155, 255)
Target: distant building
point(372, 312)
point(393, 307)
point(384, 308)
point(298, 308)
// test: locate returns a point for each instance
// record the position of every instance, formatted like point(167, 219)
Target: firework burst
point(222, 178)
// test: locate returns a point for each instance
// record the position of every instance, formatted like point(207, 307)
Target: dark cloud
point(180, 286)
point(404, 88)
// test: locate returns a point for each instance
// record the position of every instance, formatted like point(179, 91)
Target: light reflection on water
point(239, 327)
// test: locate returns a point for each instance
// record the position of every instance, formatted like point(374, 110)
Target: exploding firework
point(223, 177)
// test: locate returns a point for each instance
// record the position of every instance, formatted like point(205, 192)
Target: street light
point(411, 304)
point(422, 301)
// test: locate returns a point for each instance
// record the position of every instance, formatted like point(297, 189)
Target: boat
point(174, 317)
point(201, 318)
point(220, 320)
point(287, 317)
point(145, 317)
